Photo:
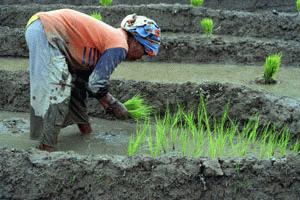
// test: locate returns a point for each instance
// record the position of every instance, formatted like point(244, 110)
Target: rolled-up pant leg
point(50, 86)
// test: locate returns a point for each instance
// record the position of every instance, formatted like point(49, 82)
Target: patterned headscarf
point(145, 31)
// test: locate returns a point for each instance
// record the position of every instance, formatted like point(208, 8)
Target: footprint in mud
point(14, 126)
point(109, 137)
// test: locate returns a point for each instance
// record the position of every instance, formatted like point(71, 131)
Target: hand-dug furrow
point(249, 5)
point(244, 103)
point(177, 18)
point(39, 175)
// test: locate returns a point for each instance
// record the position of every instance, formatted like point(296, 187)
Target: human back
point(80, 37)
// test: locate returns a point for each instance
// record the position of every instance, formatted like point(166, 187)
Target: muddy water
point(288, 77)
point(108, 137)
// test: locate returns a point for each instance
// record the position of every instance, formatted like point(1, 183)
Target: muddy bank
point(250, 5)
point(12, 42)
point(39, 175)
point(244, 102)
point(177, 18)
point(195, 48)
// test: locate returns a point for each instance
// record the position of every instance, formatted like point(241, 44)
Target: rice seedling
point(253, 129)
point(137, 108)
point(271, 67)
point(184, 141)
point(96, 15)
point(150, 144)
point(298, 5)
point(268, 142)
point(231, 132)
point(205, 115)
point(284, 140)
point(221, 141)
point(296, 147)
point(240, 145)
point(197, 3)
point(174, 129)
point(190, 124)
point(199, 142)
point(105, 2)
point(136, 141)
point(207, 25)
point(161, 139)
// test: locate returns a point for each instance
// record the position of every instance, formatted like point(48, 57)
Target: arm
point(98, 81)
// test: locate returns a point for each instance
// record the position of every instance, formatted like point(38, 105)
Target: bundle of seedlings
point(198, 134)
point(271, 68)
point(137, 108)
point(96, 15)
point(207, 25)
point(105, 2)
point(197, 3)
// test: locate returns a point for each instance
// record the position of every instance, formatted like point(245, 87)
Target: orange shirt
point(80, 37)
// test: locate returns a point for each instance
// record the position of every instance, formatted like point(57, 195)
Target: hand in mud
point(118, 110)
point(113, 106)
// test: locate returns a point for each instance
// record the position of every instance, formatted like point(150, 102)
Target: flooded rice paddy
point(288, 77)
point(108, 137)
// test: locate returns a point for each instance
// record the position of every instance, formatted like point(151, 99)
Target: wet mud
point(108, 137)
point(195, 48)
point(40, 175)
point(176, 18)
point(246, 38)
point(198, 73)
point(14, 126)
point(250, 5)
point(244, 102)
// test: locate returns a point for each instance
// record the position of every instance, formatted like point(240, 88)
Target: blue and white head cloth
point(145, 31)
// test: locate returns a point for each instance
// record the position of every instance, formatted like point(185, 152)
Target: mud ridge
point(250, 5)
point(40, 175)
point(244, 102)
point(195, 48)
point(176, 18)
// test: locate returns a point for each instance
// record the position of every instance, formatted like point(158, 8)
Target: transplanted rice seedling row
point(198, 134)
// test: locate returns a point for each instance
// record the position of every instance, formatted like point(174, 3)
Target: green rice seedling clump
point(96, 15)
point(197, 3)
point(196, 134)
point(298, 5)
point(271, 67)
point(137, 108)
point(136, 141)
point(207, 25)
point(105, 2)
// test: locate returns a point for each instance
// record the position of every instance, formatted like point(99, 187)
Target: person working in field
point(71, 56)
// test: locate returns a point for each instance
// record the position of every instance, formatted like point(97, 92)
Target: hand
point(111, 105)
point(119, 110)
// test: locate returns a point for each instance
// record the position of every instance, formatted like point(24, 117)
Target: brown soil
point(40, 175)
point(249, 5)
point(176, 18)
point(253, 36)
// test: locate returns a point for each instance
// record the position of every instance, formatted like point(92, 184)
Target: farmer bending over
point(72, 55)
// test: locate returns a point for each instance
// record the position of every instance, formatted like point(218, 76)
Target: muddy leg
point(50, 86)
point(53, 122)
